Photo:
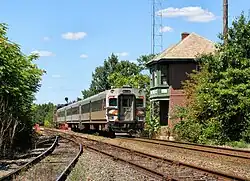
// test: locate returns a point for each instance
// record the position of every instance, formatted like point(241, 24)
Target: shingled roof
point(189, 47)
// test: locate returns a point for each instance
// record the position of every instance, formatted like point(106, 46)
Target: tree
point(43, 114)
point(137, 81)
point(19, 81)
point(99, 81)
point(218, 95)
point(143, 60)
point(66, 99)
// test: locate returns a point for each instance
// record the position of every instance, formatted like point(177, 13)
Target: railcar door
point(126, 107)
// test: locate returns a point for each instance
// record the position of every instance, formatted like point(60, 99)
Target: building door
point(164, 105)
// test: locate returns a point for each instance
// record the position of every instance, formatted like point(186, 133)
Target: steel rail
point(192, 166)
point(217, 150)
point(63, 176)
point(37, 159)
point(163, 176)
point(214, 172)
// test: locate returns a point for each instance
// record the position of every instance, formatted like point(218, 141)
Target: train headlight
point(111, 117)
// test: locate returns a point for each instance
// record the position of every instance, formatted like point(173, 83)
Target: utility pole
point(225, 20)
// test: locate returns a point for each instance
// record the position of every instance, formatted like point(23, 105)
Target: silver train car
point(118, 110)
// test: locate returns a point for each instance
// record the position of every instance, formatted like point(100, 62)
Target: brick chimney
point(184, 35)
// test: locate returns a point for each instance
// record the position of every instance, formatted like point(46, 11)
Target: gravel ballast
point(97, 167)
point(190, 157)
point(51, 166)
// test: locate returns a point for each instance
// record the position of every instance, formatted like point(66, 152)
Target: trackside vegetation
point(43, 114)
point(217, 110)
point(19, 81)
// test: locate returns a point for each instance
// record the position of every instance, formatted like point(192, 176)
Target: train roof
point(75, 104)
point(102, 95)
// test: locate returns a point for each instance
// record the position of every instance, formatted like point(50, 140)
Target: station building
point(169, 68)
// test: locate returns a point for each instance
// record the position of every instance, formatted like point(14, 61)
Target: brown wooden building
point(170, 68)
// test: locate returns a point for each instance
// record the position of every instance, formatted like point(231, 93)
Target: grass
point(238, 144)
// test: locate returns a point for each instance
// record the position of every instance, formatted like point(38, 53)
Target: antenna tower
point(156, 42)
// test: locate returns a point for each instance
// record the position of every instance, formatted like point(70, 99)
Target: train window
point(112, 102)
point(85, 108)
point(126, 102)
point(164, 75)
point(69, 112)
point(75, 110)
point(96, 105)
point(61, 114)
point(139, 102)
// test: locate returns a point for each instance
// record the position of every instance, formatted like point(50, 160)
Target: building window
point(153, 78)
point(164, 75)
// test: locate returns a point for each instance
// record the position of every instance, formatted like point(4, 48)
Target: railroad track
point(231, 152)
point(158, 166)
point(54, 164)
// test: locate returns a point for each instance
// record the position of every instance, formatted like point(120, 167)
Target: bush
point(188, 130)
point(218, 96)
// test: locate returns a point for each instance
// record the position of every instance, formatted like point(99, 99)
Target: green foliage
point(152, 125)
point(238, 144)
point(218, 108)
point(43, 114)
point(143, 60)
point(19, 81)
point(139, 80)
point(100, 81)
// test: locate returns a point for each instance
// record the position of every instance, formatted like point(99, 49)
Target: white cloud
point(122, 54)
point(56, 76)
point(50, 87)
point(83, 56)
point(46, 38)
point(193, 14)
point(74, 36)
point(166, 29)
point(43, 53)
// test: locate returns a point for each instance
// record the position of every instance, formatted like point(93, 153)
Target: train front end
point(126, 110)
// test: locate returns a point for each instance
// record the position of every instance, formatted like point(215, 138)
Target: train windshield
point(112, 102)
point(126, 107)
point(139, 102)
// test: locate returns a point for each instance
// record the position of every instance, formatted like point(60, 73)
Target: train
point(114, 111)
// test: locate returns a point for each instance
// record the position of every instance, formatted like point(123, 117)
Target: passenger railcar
point(118, 110)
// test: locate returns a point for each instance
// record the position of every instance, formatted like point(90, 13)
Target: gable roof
point(188, 48)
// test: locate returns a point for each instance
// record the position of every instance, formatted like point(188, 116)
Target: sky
point(74, 37)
